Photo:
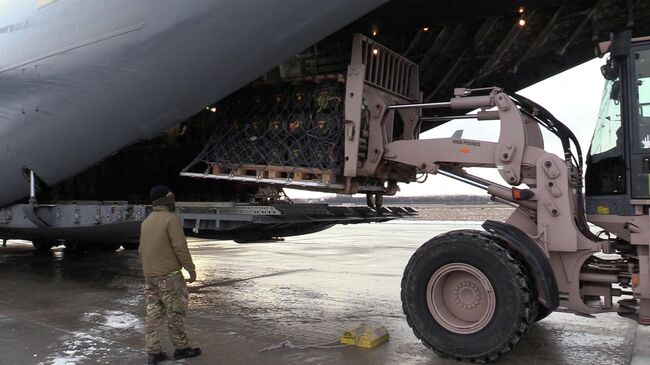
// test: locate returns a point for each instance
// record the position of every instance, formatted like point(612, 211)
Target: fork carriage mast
point(469, 294)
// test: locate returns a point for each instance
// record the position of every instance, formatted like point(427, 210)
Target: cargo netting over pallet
point(322, 132)
point(280, 130)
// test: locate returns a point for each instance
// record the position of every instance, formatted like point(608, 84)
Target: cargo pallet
point(298, 174)
point(376, 77)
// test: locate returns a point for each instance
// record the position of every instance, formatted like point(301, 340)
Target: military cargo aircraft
point(99, 100)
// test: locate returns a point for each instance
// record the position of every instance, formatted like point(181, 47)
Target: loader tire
point(466, 297)
point(542, 312)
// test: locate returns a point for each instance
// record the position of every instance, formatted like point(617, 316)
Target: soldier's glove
point(192, 277)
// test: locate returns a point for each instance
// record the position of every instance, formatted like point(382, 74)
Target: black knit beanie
point(158, 191)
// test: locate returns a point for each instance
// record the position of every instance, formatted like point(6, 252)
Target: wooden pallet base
point(278, 173)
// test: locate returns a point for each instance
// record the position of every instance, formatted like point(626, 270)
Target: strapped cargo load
point(291, 129)
point(318, 132)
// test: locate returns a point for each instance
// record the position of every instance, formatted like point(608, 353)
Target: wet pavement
point(263, 303)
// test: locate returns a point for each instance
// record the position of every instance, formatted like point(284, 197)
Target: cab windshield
point(605, 163)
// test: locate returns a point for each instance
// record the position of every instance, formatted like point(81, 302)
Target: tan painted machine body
point(472, 295)
point(565, 264)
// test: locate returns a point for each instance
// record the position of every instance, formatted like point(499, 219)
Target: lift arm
point(549, 207)
point(519, 146)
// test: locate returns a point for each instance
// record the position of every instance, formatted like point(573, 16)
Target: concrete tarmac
point(263, 303)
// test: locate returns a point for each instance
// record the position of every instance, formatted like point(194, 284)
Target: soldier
point(163, 251)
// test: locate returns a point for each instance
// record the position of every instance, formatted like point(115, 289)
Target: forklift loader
point(472, 295)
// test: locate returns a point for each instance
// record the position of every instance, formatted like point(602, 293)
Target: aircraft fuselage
point(81, 79)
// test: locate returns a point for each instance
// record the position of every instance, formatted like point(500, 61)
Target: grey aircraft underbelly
point(80, 79)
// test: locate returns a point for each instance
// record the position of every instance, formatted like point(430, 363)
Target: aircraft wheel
point(466, 297)
point(108, 246)
point(131, 245)
point(75, 246)
point(42, 245)
point(254, 240)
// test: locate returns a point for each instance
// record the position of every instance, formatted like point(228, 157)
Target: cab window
point(606, 173)
point(642, 69)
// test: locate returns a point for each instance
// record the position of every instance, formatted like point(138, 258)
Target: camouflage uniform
point(166, 296)
point(163, 251)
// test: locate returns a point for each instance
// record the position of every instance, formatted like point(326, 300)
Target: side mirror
point(618, 52)
point(610, 70)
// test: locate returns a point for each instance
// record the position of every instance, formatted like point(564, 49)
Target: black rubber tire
point(258, 239)
point(131, 246)
point(516, 304)
point(542, 312)
point(107, 246)
point(42, 245)
point(75, 246)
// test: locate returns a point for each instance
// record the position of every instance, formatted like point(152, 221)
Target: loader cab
point(618, 164)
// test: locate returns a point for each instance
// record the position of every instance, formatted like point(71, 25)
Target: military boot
point(155, 358)
point(187, 352)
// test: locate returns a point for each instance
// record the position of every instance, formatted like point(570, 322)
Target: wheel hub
point(461, 298)
point(467, 295)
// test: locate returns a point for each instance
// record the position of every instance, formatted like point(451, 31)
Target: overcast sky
point(572, 96)
point(12, 11)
